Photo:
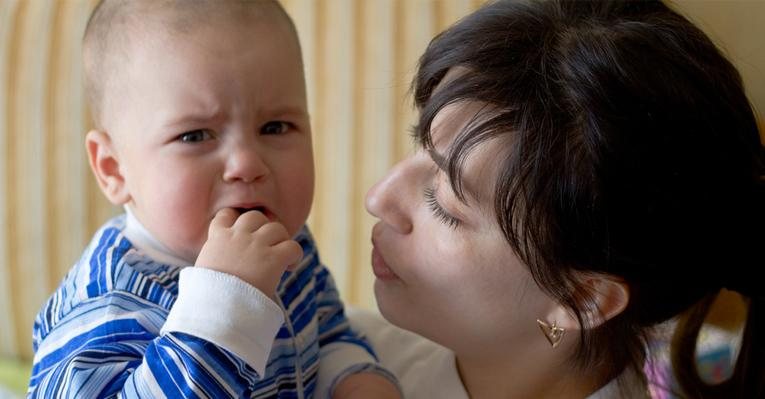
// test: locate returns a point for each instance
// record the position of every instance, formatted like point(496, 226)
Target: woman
point(586, 171)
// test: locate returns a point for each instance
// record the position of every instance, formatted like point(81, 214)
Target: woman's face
point(443, 267)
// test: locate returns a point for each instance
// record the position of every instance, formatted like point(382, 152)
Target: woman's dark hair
point(631, 150)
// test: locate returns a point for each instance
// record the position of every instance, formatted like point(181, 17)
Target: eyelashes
point(439, 212)
point(271, 128)
point(276, 127)
point(195, 136)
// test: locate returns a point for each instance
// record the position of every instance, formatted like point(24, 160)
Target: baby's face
point(211, 119)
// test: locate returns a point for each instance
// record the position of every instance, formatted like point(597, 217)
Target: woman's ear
point(106, 167)
point(606, 297)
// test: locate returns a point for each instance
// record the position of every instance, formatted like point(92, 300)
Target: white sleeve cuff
point(226, 311)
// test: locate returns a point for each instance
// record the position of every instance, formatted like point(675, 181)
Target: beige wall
point(359, 56)
point(737, 27)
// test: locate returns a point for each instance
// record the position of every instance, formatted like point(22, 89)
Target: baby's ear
point(106, 167)
point(608, 296)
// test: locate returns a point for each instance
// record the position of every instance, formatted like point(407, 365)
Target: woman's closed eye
point(275, 127)
point(195, 136)
point(438, 210)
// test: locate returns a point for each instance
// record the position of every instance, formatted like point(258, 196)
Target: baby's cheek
point(298, 210)
point(187, 225)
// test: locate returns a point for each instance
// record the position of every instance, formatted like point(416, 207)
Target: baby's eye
point(275, 127)
point(195, 136)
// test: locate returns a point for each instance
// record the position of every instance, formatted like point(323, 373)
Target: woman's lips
point(380, 268)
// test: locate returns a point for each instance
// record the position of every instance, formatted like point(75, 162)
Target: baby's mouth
point(255, 208)
point(261, 209)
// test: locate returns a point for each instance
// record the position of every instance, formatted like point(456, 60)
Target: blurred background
point(359, 56)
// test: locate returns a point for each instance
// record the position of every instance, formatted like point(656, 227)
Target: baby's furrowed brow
point(182, 120)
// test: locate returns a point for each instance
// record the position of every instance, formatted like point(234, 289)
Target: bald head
point(115, 26)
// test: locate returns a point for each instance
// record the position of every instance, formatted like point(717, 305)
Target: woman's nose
point(245, 164)
point(390, 201)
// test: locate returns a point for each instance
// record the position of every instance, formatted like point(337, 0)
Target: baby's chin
point(187, 253)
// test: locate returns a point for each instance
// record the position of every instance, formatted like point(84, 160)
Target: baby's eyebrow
point(289, 111)
point(191, 118)
point(440, 161)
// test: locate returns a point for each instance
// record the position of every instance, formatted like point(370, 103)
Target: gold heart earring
point(554, 334)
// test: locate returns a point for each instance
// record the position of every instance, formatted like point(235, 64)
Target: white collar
point(143, 240)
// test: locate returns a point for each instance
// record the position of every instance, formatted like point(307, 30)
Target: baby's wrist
point(257, 282)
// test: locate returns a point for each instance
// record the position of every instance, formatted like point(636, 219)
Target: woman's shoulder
point(424, 368)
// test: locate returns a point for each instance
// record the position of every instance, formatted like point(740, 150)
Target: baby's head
point(198, 106)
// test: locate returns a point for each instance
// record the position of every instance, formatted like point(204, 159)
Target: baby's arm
point(249, 254)
point(366, 386)
point(111, 342)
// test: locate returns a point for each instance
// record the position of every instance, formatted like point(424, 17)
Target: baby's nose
point(246, 165)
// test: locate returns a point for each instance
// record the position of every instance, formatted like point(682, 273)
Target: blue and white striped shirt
point(124, 324)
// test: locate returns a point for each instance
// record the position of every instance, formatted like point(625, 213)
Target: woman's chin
point(390, 302)
point(383, 299)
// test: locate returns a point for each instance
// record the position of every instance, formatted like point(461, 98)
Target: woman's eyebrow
point(440, 161)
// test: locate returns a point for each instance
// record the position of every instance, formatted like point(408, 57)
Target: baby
point(202, 134)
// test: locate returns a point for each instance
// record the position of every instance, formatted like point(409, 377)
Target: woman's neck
point(521, 377)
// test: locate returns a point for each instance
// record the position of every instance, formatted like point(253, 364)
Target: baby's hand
point(249, 247)
point(366, 385)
